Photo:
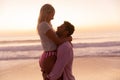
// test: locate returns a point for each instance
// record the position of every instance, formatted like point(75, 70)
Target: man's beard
point(58, 34)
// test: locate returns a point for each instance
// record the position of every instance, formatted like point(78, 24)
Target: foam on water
point(83, 45)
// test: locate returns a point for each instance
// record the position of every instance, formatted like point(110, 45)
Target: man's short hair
point(69, 27)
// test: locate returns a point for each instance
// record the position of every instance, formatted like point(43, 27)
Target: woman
point(48, 37)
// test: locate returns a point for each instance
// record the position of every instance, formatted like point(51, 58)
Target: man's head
point(65, 30)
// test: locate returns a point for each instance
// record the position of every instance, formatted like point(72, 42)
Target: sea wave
point(18, 41)
point(75, 45)
point(106, 49)
point(21, 48)
point(102, 44)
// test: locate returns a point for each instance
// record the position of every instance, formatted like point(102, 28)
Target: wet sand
point(84, 68)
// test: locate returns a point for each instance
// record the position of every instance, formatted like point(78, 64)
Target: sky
point(20, 16)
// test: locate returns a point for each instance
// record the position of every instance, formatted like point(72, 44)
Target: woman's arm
point(52, 35)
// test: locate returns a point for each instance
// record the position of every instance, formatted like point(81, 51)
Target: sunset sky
point(19, 16)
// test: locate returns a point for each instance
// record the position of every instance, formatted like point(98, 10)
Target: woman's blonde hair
point(45, 11)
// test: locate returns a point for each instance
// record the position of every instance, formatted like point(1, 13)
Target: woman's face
point(51, 16)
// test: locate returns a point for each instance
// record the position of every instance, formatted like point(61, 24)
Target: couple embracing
point(57, 58)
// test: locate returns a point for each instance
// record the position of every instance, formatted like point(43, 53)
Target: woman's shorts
point(47, 61)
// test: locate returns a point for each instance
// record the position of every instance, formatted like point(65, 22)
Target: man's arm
point(63, 56)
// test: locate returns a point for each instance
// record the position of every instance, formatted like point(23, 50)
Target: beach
point(96, 57)
point(84, 68)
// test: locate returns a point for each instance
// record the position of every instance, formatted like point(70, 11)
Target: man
point(62, 66)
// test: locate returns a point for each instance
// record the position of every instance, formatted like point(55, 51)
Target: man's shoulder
point(65, 49)
point(65, 45)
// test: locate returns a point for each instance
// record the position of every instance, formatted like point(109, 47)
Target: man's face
point(61, 31)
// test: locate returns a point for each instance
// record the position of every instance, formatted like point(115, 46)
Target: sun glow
point(98, 15)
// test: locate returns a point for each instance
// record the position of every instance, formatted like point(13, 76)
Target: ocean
point(84, 45)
